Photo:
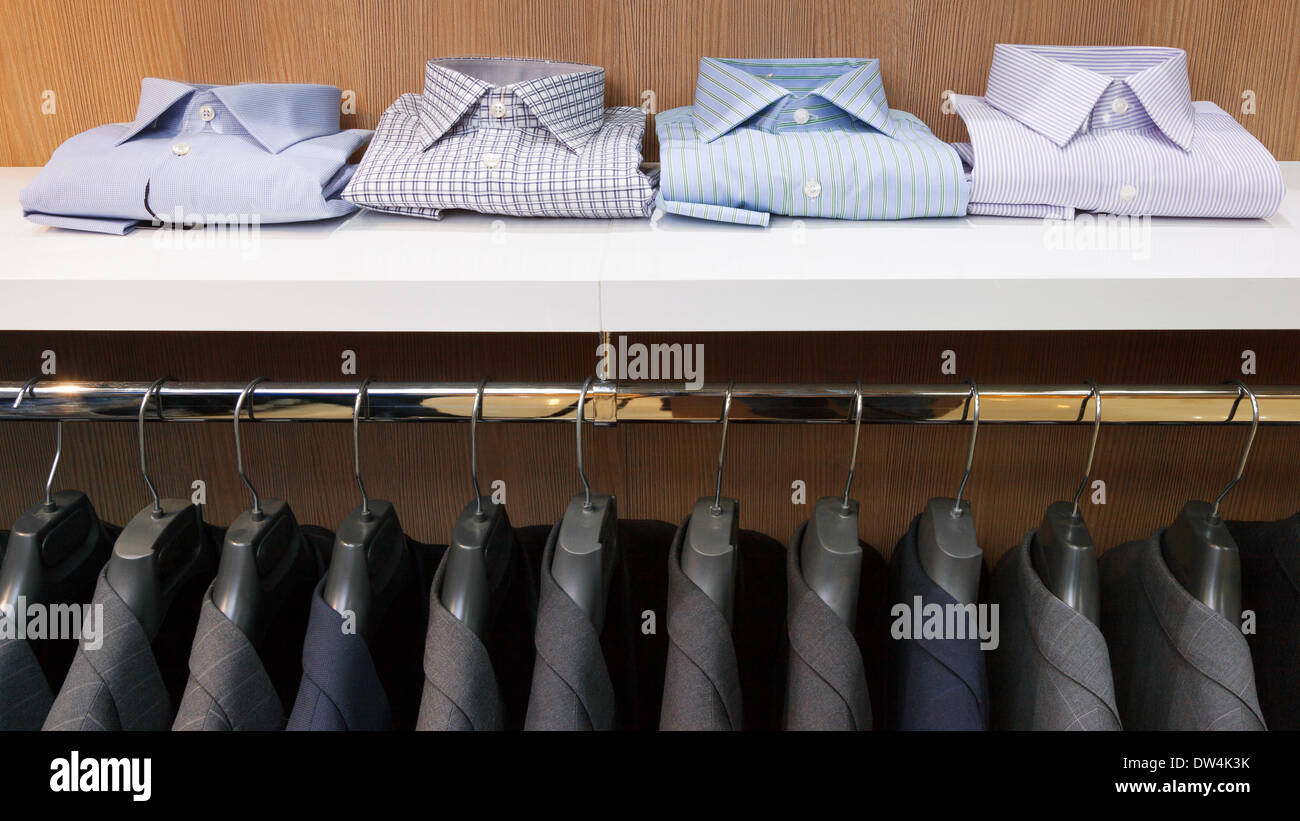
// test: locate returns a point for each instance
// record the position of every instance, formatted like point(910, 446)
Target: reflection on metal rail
point(610, 402)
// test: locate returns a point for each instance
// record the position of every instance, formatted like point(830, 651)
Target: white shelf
point(471, 272)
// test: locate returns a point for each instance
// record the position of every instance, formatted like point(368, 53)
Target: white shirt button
point(812, 189)
point(1127, 193)
point(1119, 106)
point(491, 160)
point(206, 113)
point(180, 149)
point(498, 109)
point(801, 116)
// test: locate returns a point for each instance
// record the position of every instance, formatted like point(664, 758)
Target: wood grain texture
point(658, 470)
point(93, 53)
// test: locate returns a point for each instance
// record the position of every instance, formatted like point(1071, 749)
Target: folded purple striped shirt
point(1110, 129)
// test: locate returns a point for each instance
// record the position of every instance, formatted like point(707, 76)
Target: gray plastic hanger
point(947, 547)
point(830, 555)
point(709, 551)
point(370, 561)
point(479, 553)
point(1197, 547)
point(1062, 551)
point(263, 558)
point(57, 546)
point(159, 550)
point(588, 540)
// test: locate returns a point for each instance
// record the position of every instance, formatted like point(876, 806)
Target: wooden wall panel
point(658, 470)
point(92, 53)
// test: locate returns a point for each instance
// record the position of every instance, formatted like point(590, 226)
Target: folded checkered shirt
point(506, 136)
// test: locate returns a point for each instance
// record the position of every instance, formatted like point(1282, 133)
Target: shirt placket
point(497, 150)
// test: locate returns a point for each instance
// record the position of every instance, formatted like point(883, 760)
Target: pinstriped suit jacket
point(116, 686)
point(25, 696)
point(228, 688)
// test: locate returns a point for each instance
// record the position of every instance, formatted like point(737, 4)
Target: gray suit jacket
point(460, 684)
point(1178, 664)
point(116, 686)
point(25, 696)
point(228, 688)
point(701, 675)
point(1051, 669)
point(571, 688)
point(826, 680)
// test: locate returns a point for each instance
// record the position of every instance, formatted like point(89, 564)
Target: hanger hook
point(582, 471)
point(1095, 394)
point(363, 395)
point(853, 456)
point(27, 390)
point(155, 388)
point(973, 400)
point(1242, 390)
point(473, 445)
point(716, 510)
point(246, 395)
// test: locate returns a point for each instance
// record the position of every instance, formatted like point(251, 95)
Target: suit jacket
point(28, 668)
point(1051, 669)
point(701, 675)
point(571, 689)
point(1178, 664)
point(1270, 585)
point(826, 685)
point(25, 696)
point(340, 688)
point(116, 686)
point(940, 684)
point(229, 689)
point(480, 683)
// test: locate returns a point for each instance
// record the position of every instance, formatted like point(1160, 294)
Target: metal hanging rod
point(609, 402)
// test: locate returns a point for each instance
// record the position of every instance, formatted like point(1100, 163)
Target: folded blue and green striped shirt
point(803, 138)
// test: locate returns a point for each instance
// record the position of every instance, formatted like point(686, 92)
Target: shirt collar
point(275, 115)
point(1054, 89)
point(568, 99)
point(730, 92)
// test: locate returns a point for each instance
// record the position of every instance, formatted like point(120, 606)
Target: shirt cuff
point(1011, 209)
point(717, 213)
point(96, 224)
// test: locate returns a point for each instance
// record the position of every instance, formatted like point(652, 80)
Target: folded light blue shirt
point(804, 138)
point(199, 154)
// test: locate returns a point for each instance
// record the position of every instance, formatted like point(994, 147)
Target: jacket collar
point(1054, 89)
point(340, 665)
point(700, 631)
point(1049, 619)
point(568, 99)
point(1197, 632)
point(822, 640)
point(729, 92)
point(275, 115)
point(963, 657)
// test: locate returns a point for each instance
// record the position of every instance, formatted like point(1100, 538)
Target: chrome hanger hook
point(473, 446)
point(1094, 394)
point(26, 390)
point(974, 401)
point(582, 471)
point(853, 456)
point(1242, 390)
point(716, 510)
point(246, 395)
point(155, 388)
point(363, 395)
